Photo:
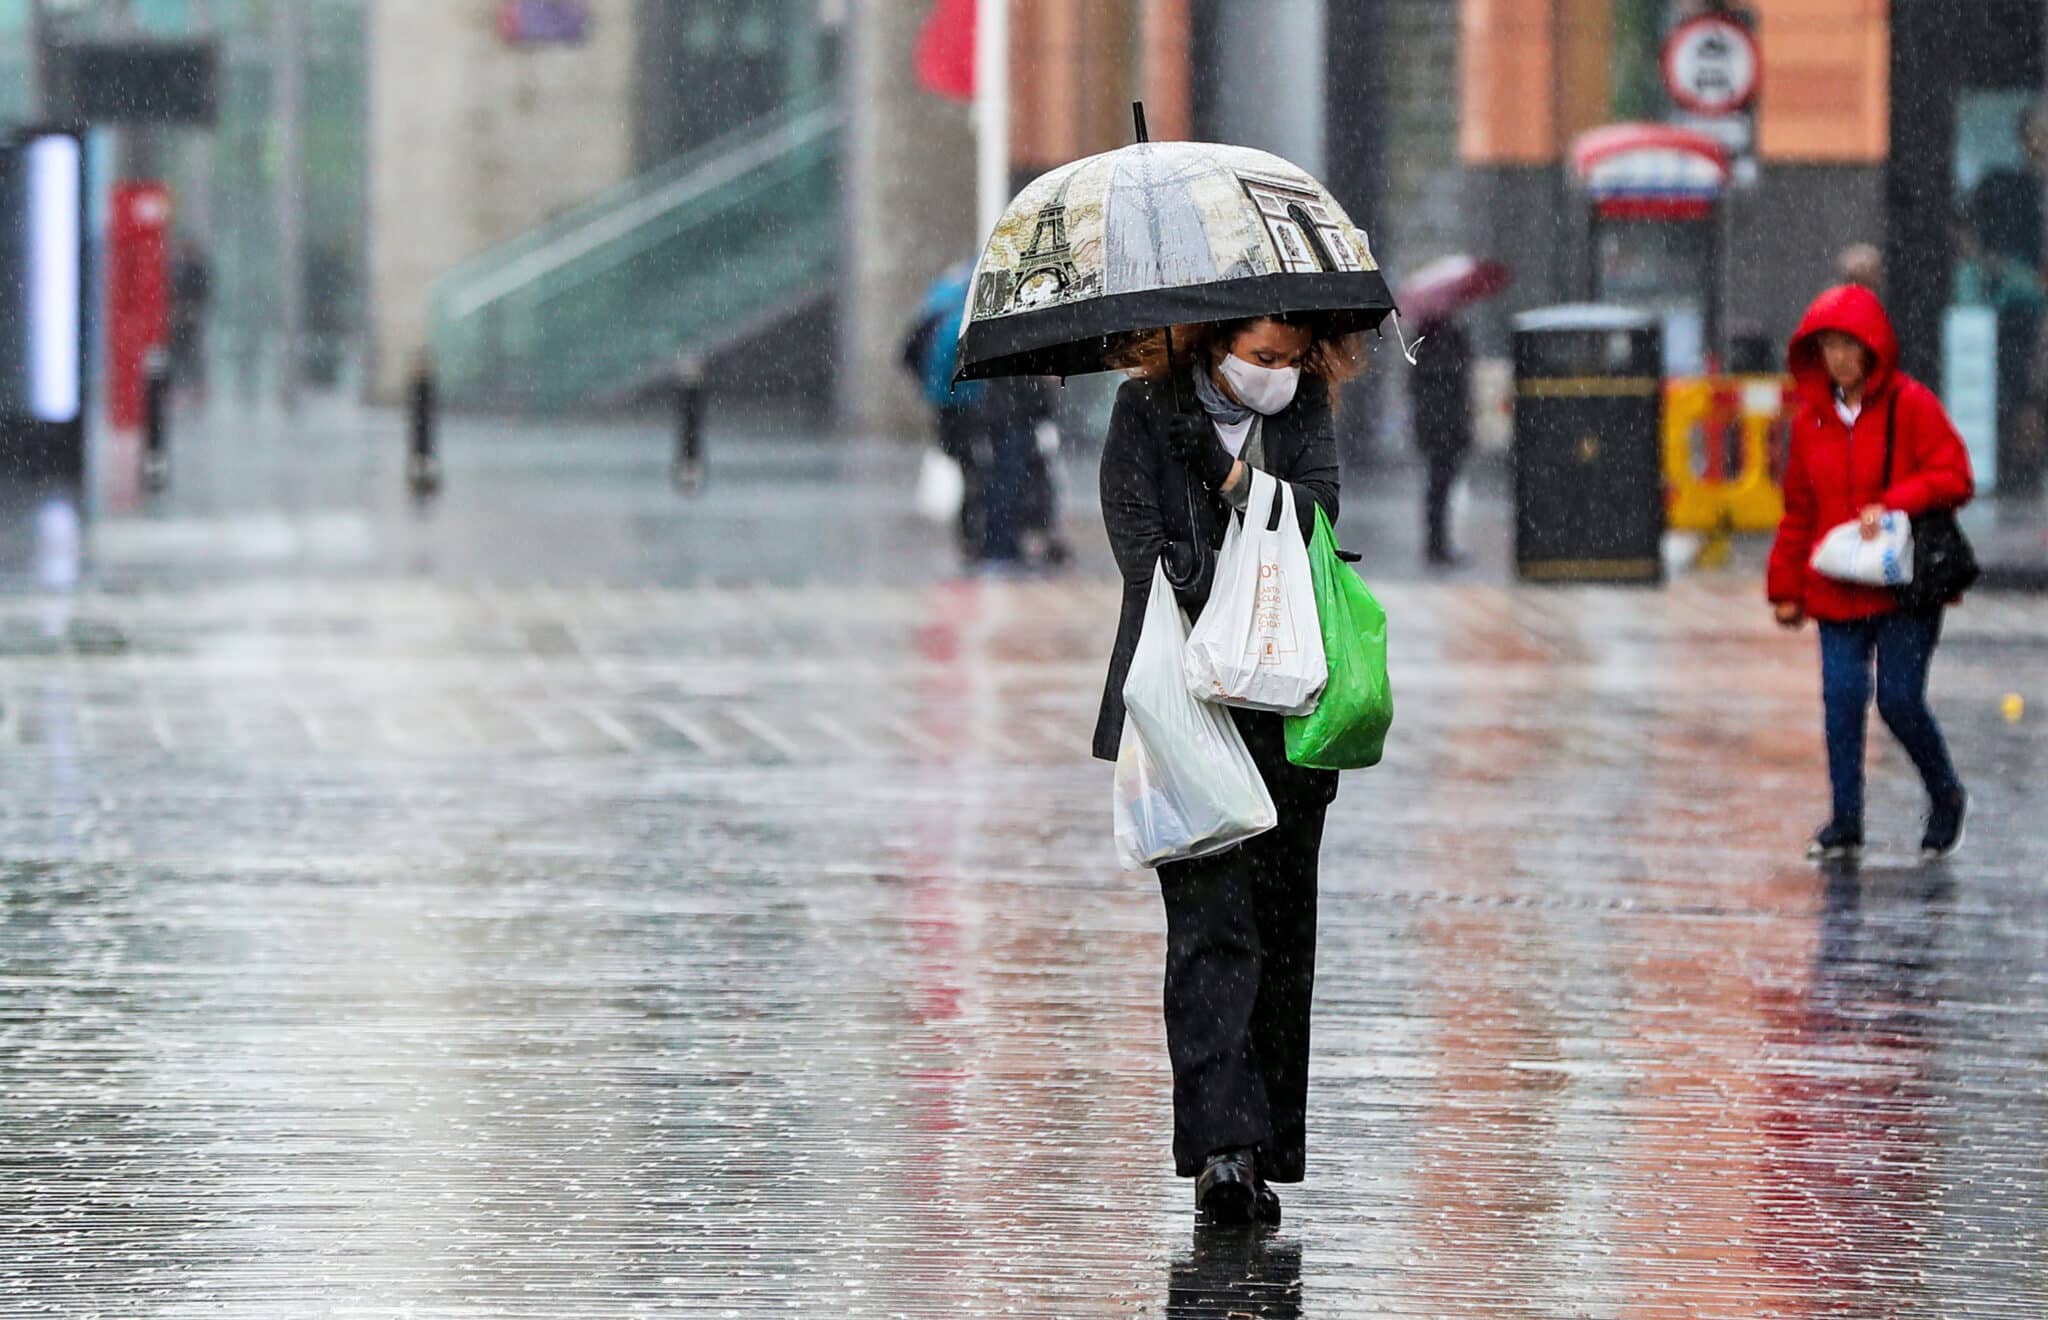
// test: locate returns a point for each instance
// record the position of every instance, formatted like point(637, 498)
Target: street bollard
point(422, 466)
point(156, 405)
point(689, 405)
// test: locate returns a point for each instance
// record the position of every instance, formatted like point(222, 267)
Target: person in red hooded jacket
point(1844, 359)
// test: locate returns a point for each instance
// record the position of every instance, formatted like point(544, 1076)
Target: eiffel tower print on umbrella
point(1160, 234)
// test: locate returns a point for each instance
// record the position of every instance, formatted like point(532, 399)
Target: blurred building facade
point(506, 138)
point(1538, 73)
point(1354, 90)
point(1914, 126)
point(483, 134)
point(475, 139)
point(388, 141)
point(1448, 126)
point(228, 178)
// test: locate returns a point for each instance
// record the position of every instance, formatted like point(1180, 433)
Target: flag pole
point(991, 112)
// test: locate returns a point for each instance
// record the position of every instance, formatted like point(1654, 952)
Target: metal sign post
point(1713, 69)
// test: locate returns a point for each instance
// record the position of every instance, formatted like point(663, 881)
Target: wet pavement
point(449, 912)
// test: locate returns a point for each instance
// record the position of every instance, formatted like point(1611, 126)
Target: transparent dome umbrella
point(1160, 234)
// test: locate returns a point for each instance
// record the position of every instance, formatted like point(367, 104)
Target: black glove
point(1192, 439)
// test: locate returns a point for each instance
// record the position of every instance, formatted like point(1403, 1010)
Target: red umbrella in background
point(1449, 285)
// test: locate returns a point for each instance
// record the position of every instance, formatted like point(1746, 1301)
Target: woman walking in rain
point(1083, 266)
point(1856, 408)
point(1241, 925)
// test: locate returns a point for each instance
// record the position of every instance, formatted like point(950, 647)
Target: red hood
point(1855, 310)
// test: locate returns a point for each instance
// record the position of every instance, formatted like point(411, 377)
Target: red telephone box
point(1654, 239)
point(138, 293)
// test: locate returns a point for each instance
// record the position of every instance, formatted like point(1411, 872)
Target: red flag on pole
point(945, 50)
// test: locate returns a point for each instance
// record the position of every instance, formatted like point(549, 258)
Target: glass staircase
point(603, 301)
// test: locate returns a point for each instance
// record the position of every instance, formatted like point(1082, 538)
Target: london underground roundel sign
point(1711, 66)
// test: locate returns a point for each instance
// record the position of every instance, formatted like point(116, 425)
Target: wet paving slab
point(451, 944)
point(412, 949)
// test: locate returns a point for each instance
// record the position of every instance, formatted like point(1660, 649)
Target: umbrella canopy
point(1160, 233)
point(1449, 284)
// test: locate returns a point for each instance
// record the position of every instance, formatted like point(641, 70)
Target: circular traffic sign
point(1712, 66)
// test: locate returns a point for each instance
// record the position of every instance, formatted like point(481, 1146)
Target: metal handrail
point(602, 223)
point(623, 192)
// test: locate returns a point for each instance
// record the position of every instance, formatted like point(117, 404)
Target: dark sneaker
point(1837, 842)
point(1945, 828)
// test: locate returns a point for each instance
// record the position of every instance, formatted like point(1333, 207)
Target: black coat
point(1152, 506)
point(1440, 393)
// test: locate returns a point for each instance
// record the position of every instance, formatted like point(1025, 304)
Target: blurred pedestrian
point(1854, 405)
point(1019, 511)
point(1440, 414)
point(1240, 925)
point(929, 353)
point(1000, 432)
point(191, 292)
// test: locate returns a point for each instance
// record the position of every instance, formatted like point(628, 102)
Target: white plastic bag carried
point(1258, 644)
point(1886, 560)
point(1186, 785)
point(941, 486)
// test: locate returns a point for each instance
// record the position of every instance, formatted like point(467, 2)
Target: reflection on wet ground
point(375, 944)
point(1235, 1272)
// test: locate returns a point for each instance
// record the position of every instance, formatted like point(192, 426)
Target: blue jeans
point(1002, 491)
point(1903, 646)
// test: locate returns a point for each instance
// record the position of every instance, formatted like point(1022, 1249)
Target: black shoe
point(1227, 1190)
point(1945, 828)
point(1837, 842)
point(1266, 1205)
point(1445, 558)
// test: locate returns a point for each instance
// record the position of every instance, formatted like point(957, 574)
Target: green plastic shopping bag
point(1348, 728)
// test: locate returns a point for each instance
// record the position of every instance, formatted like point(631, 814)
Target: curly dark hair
point(1333, 358)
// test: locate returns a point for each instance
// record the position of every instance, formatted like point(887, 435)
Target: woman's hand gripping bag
point(1186, 785)
point(1257, 645)
point(1348, 728)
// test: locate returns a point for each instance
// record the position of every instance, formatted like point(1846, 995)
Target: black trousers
point(1442, 467)
point(1240, 975)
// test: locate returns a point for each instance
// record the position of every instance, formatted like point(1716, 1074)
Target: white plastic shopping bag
point(1258, 644)
point(941, 486)
point(1186, 785)
point(1886, 560)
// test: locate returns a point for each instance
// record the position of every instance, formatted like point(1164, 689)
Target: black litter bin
point(1589, 411)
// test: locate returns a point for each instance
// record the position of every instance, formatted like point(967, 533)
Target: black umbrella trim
point(1071, 339)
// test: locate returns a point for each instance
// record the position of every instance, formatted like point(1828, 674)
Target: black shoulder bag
point(1944, 564)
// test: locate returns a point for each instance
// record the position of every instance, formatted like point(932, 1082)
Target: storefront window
point(1991, 380)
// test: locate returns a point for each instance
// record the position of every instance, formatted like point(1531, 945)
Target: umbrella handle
point(1172, 376)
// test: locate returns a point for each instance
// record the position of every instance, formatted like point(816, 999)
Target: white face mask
point(1262, 389)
